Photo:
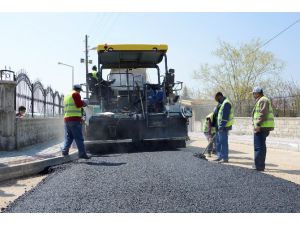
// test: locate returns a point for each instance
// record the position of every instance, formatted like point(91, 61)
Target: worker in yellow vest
point(224, 124)
point(209, 131)
point(92, 80)
point(263, 123)
point(73, 122)
point(96, 82)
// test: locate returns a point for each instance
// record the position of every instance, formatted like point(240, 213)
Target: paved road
point(159, 181)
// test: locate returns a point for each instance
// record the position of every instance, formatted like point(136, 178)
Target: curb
point(35, 167)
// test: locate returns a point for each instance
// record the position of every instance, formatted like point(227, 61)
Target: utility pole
point(86, 64)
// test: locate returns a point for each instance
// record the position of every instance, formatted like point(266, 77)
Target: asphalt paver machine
point(129, 104)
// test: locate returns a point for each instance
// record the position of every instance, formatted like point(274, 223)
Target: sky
point(37, 41)
point(35, 35)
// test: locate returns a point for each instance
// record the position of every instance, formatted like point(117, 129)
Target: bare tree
point(239, 70)
point(185, 93)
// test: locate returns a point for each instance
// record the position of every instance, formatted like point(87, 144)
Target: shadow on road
point(107, 149)
point(293, 172)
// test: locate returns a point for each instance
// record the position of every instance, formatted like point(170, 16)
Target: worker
point(263, 123)
point(97, 85)
point(73, 122)
point(224, 124)
point(210, 131)
point(95, 79)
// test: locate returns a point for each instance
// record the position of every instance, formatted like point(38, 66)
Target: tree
point(185, 93)
point(239, 70)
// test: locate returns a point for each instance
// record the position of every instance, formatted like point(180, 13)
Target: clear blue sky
point(37, 41)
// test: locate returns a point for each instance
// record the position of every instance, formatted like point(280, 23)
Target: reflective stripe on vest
point(70, 108)
point(220, 114)
point(94, 74)
point(205, 124)
point(269, 120)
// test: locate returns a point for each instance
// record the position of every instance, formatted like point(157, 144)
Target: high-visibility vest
point(269, 119)
point(205, 124)
point(70, 108)
point(220, 114)
point(94, 74)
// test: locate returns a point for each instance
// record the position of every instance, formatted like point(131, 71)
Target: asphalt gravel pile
point(160, 181)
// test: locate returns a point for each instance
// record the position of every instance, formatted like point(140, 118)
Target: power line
point(272, 38)
point(281, 32)
point(267, 42)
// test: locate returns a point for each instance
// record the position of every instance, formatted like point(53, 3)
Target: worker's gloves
point(256, 129)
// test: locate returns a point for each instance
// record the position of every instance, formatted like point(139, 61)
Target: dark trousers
point(222, 144)
point(260, 149)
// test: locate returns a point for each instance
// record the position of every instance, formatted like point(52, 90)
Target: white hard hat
point(257, 90)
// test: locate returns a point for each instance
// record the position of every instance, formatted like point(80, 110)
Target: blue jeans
point(222, 144)
point(260, 149)
point(73, 131)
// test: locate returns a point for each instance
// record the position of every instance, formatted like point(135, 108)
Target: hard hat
point(257, 90)
point(77, 87)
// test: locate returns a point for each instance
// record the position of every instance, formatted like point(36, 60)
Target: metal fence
point(287, 106)
point(39, 101)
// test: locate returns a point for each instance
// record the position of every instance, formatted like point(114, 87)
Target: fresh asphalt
point(157, 180)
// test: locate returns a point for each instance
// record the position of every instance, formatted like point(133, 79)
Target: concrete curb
point(35, 167)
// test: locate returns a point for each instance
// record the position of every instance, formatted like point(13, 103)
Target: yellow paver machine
point(132, 101)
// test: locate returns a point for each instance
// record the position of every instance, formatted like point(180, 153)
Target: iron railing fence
point(283, 106)
point(39, 101)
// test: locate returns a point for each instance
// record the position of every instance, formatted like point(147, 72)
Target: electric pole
point(86, 64)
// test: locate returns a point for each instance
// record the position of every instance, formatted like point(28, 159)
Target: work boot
point(217, 160)
point(258, 169)
point(64, 153)
point(223, 161)
point(84, 156)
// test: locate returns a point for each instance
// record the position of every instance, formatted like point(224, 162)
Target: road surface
point(157, 180)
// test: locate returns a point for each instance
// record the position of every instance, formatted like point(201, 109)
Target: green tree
point(240, 69)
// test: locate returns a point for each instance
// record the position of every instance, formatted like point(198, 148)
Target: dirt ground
point(12, 189)
point(279, 163)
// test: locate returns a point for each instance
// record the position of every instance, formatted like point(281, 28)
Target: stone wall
point(7, 115)
point(20, 132)
point(288, 127)
point(30, 131)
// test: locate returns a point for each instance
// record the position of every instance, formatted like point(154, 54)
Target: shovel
point(201, 155)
